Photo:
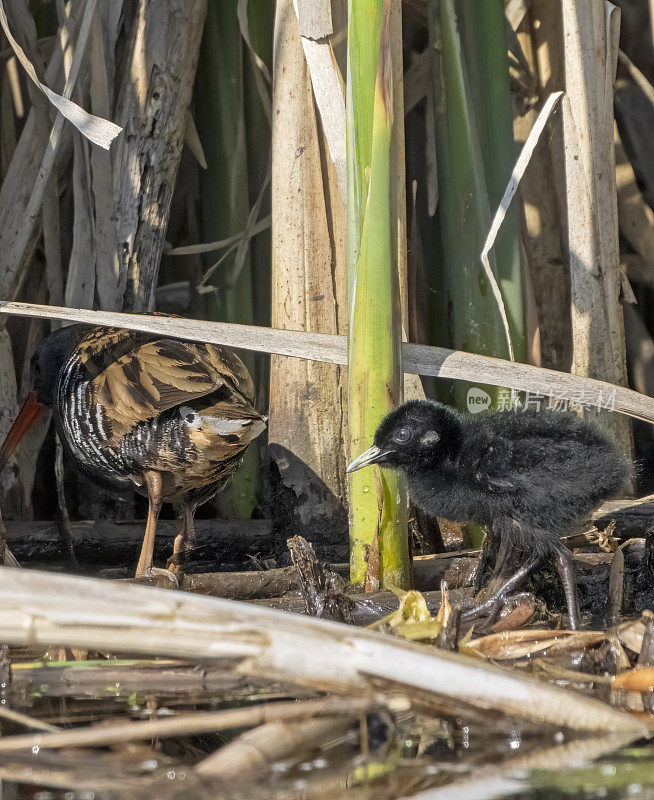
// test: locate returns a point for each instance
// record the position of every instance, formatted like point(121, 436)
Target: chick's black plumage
point(527, 476)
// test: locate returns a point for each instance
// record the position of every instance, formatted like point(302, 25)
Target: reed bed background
point(330, 169)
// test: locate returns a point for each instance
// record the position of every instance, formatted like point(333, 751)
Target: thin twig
point(23, 719)
point(65, 531)
point(187, 724)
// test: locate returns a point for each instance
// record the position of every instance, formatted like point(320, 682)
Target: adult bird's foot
point(179, 561)
point(162, 578)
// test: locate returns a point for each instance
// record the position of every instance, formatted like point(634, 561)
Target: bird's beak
point(372, 456)
point(31, 411)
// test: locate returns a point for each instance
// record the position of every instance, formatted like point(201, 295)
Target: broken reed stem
point(39, 607)
point(190, 724)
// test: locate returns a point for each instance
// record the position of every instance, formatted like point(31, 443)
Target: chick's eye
point(402, 435)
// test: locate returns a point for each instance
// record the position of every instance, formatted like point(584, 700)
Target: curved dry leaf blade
point(209, 247)
point(518, 644)
point(327, 86)
point(244, 25)
point(512, 187)
point(100, 131)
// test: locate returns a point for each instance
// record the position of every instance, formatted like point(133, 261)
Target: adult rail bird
point(167, 417)
point(526, 476)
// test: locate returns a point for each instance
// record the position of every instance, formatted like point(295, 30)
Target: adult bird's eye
point(402, 435)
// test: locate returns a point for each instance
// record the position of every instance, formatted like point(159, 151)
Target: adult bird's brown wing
point(136, 383)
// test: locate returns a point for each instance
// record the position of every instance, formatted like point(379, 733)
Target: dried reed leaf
point(192, 141)
point(631, 634)
point(515, 11)
point(209, 247)
point(244, 244)
point(105, 236)
point(510, 645)
point(261, 71)
point(100, 131)
point(13, 82)
point(20, 211)
point(242, 14)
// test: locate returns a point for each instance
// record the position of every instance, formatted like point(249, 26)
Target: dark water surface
point(435, 754)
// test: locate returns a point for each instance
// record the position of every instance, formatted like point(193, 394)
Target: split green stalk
point(464, 216)
point(475, 152)
point(225, 201)
point(486, 51)
point(377, 497)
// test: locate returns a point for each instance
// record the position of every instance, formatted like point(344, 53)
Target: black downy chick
point(526, 476)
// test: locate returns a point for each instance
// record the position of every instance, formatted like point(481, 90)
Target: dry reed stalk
point(590, 58)
point(37, 607)
point(152, 108)
point(308, 293)
point(541, 221)
point(254, 752)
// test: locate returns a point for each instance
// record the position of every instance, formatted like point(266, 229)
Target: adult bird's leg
point(153, 484)
point(185, 539)
point(565, 565)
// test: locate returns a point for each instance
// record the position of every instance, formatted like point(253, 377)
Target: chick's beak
point(372, 456)
point(30, 412)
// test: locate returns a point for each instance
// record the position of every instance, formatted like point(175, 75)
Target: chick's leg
point(492, 604)
point(565, 566)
